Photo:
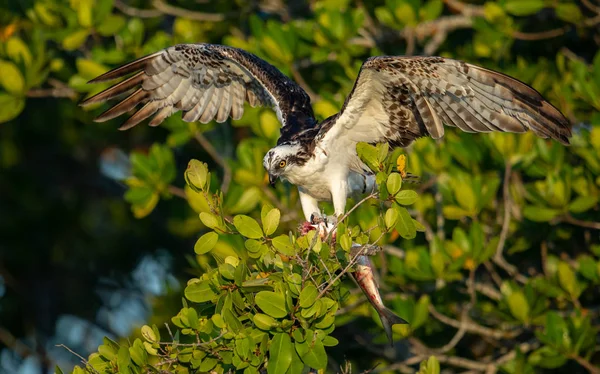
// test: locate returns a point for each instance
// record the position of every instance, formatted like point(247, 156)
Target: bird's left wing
point(206, 82)
point(398, 99)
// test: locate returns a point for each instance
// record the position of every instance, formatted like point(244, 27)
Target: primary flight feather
point(394, 100)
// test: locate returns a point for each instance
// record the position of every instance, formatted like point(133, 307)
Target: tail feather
point(388, 319)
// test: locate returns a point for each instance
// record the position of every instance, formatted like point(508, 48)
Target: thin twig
point(59, 89)
point(212, 152)
point(466, 9)
point(176, 191)
point(577, 222)
point(347, 214)
point(190, 14)
point(586, 364)
point(472, 327)
point(488, 290)
point(137, 12)
point(588, 4)
point(83, 360)
point(533, 36)
point(350, 264)
point(499, 257)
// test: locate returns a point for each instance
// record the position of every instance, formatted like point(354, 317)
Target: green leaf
point(264, 322)
point(393, 184)
point(556, 331)
point(582, 204)
point(454, 212)
point(196, 175)
point(123, 359)
point(272, 303)
point(280, 354)
point(316, 357)
point(209, 220)
point(547, 357)
point(112, 24)
point(421, 312)
point(405, 226)
point(518, 305)
point(369, 154)
point(247, 201)
point(283, 245)
point(539, 213)
point(523, 7)
point(247, 226)
point(271, 221)
point(148, 334)
point(406, 197)
point(206, 242)
point(433, 365)
point(11, 78)
point(297, 366)
point(308, 295)
point(10, 106)
point(391, 218)
point(465, 196)
point(199, 292)
point(138, 353)
point(432, 10)
point(75, 40)
point(568, 12)
point(207, 364)
point(567, 279)
point(233, 323)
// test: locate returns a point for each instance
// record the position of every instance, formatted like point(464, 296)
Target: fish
point(363, 275)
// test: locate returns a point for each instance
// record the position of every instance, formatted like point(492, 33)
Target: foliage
point(494, 258)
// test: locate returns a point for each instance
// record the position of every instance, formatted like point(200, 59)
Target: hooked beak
point(272, 179)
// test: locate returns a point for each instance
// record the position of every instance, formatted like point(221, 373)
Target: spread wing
point(398, 99)
point(205, 82)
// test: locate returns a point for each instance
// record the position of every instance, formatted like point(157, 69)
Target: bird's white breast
point(322, 171)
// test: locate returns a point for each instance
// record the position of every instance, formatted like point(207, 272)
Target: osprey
point(394, 100)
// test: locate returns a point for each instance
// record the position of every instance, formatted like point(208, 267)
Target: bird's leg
point(339, 195)
point(310, 206)
point(312, 213)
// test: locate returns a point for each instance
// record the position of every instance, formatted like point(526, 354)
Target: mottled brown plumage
point(394, 100)
point(399, 99)
point(206, 82)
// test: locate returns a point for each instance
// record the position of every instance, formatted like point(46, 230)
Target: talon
point(316, 219)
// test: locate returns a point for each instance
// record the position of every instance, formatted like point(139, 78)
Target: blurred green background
point(78, 261)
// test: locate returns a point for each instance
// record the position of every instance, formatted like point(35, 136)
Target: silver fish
point(365, 279)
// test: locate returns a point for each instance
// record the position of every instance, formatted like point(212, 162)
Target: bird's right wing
point(206, 82)
point(399, 99)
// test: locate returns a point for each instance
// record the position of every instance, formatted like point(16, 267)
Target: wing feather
point(398, 99)
point(207, 82)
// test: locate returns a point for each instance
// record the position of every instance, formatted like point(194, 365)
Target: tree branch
point(472, 327)
point(171, 10)
point(577, 222)
point(533, 36)
point(499, 257)
point(586, 364)
point(136, 12)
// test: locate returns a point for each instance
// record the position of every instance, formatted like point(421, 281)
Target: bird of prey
point(395, 100)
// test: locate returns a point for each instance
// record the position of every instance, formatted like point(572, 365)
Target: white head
point(279, 161)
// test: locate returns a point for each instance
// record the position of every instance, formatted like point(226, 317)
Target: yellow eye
point(282, 164)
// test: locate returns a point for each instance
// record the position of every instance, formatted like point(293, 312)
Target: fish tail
point(388, 319)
